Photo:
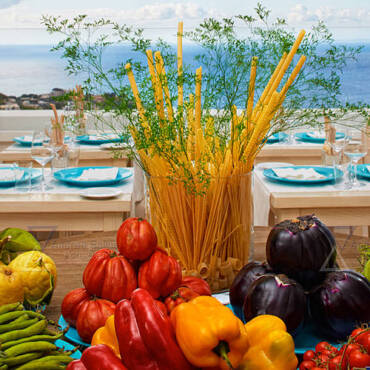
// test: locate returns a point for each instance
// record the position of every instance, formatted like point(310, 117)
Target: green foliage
point(227, 56)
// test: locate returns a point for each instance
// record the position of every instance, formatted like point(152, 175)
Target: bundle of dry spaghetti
point(78, 98)
point(200, 191)
point(57, 128)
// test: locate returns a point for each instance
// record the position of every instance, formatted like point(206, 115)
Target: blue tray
point(68, 347)
point(302, 136)
point(70, 176)
point(71, 334)
point(328, 172)
point(33, 172)
point(306, 338)
point(276, 138)
point(85, 139)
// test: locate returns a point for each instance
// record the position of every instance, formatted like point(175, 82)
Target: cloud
point(331, 16)
point(8, 3)
point(163, 14)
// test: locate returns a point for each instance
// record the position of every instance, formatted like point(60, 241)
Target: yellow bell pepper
point(209, 334)
point(271, 347)
point(107, 335)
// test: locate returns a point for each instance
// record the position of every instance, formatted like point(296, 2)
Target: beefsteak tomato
point(72, 303)
point(92, 315)
point(136, 239)
point(198, 285)
point(109, 276)
point(160, 275)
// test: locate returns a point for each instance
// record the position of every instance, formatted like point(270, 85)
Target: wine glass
point(355, 148)
point(42, 152)
point(337, 146)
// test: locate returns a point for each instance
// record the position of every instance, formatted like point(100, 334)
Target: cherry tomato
point(322, 345)
point(323, 359)
point(318, 368)
point(348, 348)
point(336, 363)
point(309, 355)
point(357, 358)
point(362, 336)
point(329, 353)
point(306, 365)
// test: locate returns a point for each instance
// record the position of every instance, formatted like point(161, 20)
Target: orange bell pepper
point(107, 335)
point(271, 347)
point(209, 334)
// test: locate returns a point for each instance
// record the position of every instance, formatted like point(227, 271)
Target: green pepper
point(34, 338)
point(22, 359)
point(17, 325)
point(27, 332)
point(17, 306)
point(9, 316)
point(22, 348)
point(38, 365)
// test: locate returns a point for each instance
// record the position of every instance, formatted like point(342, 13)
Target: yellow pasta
point(205, 224)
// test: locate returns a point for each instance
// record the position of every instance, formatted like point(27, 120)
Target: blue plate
point(361, 170)
point(328, 172)
point(71, 334)
point(20, 140)
point(276, 138)
point(68, 347)
point(302, 136)
point(70, 176)
point(27, 172)
point(85, 139)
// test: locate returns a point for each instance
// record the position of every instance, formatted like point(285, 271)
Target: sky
point(20, 19)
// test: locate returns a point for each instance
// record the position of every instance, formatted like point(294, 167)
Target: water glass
point(355, 148)
point(23, 176)
point(42, 152)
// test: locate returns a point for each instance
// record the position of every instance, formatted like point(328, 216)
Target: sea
point(26, 69)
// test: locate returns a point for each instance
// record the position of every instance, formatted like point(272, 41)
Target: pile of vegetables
point(26, 341)
point(26, 274)
point(111, 276)
point(301, 280)
point(354, 354)
point(139, 312)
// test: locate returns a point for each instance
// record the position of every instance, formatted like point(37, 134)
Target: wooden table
point(89, 156)
point(333, 207)
point(299, 154)
point(56, 212)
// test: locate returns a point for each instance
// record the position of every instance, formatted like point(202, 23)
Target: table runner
point(58, 187)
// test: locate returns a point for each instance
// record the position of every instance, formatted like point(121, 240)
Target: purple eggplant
point(277, 295)
point(340, 303)
point(303, 249)
point(243, 281)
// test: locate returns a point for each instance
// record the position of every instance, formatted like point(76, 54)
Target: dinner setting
point(195, 196)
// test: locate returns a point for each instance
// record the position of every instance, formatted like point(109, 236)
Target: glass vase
point(210, 232)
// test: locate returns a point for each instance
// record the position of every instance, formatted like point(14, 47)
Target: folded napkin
point(27, 138)
point(10, 175)
point(93, 174)
point(316, 135)
point(298, 173)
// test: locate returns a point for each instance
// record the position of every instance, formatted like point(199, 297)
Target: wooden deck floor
point(72, 253)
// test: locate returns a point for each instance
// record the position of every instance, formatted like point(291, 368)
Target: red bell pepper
point(76, 365)
point(160, 275)
point(145, 335)
point(99, 357)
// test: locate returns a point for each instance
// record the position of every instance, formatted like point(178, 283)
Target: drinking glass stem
point(43, 179)
point(353, 164)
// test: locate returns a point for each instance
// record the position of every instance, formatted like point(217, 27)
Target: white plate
point(112, 146)
point(266, 165)
point(100, 193)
